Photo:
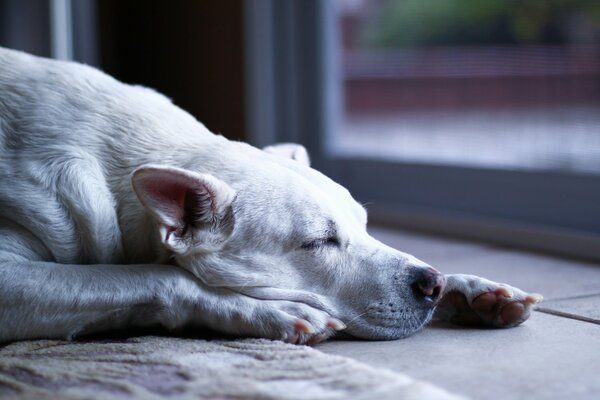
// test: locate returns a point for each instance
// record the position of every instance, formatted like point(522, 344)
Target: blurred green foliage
point(407, 23)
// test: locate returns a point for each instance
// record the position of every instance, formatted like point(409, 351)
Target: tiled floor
point(548, 357)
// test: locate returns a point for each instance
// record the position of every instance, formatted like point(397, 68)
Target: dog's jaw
point(383, 322)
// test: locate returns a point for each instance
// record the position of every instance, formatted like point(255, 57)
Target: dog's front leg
point(472, 300)
point(47, 300)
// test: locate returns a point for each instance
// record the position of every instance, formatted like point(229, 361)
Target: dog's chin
point(386, 328)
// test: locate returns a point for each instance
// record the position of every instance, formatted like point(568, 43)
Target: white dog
point(118, 209)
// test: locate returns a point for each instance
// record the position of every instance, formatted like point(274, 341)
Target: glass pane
point(486, 83)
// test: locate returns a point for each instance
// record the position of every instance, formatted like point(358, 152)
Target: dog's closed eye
point(321, 242)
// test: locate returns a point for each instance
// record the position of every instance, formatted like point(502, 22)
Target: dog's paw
point(474, 301)
point(299, 323)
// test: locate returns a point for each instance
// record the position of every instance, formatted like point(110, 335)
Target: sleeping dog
point(119, 210)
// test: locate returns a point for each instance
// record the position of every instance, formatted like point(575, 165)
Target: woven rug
point(163, 367)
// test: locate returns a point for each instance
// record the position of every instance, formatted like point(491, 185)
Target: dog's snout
point(428, 284)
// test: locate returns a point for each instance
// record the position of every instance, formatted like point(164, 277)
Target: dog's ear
point(192, 209)
point(290, 150)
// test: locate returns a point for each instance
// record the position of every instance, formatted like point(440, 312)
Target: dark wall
point(191, 51)
point(25, 25)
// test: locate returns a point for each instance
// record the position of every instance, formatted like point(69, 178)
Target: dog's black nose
point(428, 284)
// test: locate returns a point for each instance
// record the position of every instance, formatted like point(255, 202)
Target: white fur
point(81, 252)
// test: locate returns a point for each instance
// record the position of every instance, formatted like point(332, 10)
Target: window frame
point(293, 96)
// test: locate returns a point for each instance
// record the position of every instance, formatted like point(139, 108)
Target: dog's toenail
point(317, 339)
point(304, 326)
point(502, 291)
point(336, 324)
point(534, 298)
point(293, 339)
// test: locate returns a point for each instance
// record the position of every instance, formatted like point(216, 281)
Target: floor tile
point(546, 358)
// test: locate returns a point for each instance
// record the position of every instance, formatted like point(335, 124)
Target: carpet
point(154, 367)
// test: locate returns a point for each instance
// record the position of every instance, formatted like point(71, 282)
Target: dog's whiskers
point(358, 316)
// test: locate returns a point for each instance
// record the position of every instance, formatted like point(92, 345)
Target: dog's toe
point(308, 325)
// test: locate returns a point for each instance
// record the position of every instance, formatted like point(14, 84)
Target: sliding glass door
point(476, 118)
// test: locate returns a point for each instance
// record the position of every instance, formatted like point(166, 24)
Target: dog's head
point(271, 227)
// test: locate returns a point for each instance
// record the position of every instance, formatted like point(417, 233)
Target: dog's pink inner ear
point(179, 199)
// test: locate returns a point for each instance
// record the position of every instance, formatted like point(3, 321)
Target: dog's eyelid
point(332, 240)
point(328, 240)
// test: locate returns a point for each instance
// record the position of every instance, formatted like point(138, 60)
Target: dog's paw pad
point(498, 308)
point(510, 314)
point(504, 307)
point(489, 304)
point(485, 303)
